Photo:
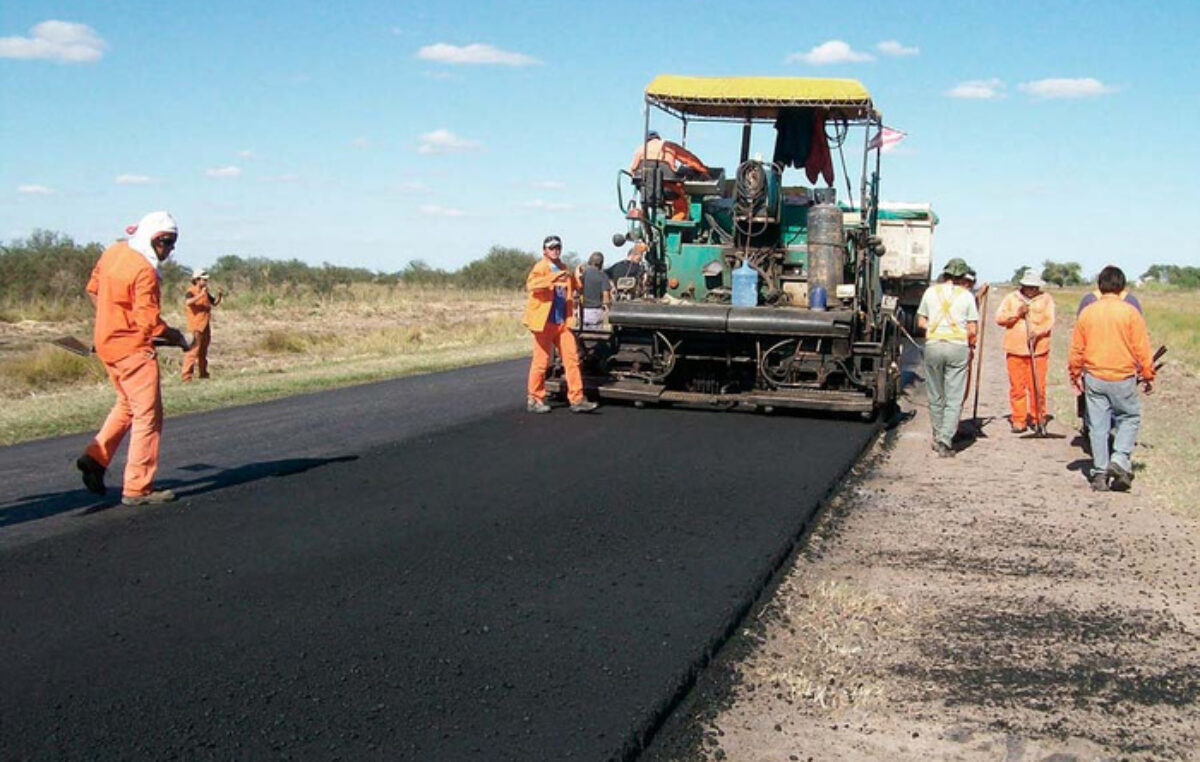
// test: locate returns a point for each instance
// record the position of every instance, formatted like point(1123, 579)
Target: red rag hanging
point(820, 161)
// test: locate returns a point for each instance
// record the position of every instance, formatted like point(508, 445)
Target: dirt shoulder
point(986, 607)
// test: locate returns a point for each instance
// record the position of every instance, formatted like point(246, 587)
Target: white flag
point(886, 138)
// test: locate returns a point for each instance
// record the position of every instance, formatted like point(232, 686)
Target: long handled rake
point(979, 365)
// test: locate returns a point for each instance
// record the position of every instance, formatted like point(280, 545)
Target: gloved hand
point(177, 338)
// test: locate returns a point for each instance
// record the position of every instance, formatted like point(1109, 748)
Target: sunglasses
point(166, 240)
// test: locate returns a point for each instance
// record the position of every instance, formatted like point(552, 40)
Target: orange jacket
point(1111, 342)
point(199, 311)
point(1041, 321)
point(127, 303)
point(540, 284)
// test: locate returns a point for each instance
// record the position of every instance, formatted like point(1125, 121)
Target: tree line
point(49, 270)
point(1071, 274)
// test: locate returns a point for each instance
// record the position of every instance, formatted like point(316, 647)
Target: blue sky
point(375, 133)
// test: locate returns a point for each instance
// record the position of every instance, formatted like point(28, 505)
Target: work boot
point(1122, 478)
point(156, 497)
point(583, 406)
point(536, 406)
point(93, 473)
point(1099, 482)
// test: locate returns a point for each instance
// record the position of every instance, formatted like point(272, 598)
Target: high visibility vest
point(941, 326)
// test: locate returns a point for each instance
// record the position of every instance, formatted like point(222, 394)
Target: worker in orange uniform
point(124, 288)
point(1027, 315)
point(552, 290)
point(675, 157)
point(198, 304)
point(1110, 357)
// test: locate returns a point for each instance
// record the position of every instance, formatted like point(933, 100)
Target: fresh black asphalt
point(416, 569)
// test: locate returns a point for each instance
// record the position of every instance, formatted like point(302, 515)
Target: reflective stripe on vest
point(942, 326)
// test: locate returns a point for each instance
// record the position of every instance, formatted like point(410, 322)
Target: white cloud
point(134, 180)
point(548, 206)
point(287, 178)
point(360, 143)
point(433, 210)
point(831, 52)
point(1084, 87)
point(550, 184)
point(978, 89)
point(247, 154)
point(894, 48)
point(412, 186)
point(230, 171)
point(445, 141)
point(477, 53)
point(62, 41)
point(34, 190)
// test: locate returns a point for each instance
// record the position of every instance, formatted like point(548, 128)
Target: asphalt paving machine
point(767, 294)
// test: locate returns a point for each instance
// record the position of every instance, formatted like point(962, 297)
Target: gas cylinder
point(826, 249)
point(745, 286)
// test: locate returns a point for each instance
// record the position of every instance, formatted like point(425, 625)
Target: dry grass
point(45, 367)
point(264, 351)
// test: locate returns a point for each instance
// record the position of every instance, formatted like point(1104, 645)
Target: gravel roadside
point(988, 607)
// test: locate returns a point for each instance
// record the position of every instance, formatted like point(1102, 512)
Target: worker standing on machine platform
point(676, 157)
point(552, 288)
point(1110, 357)
point(950, 319)
point(631, 266)
point(1027, 315)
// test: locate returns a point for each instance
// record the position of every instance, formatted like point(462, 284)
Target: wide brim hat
point(1031, 279)
point(956, 268)
point(200, 274)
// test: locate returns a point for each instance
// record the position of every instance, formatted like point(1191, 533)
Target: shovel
point(1039, 428)
point(77, 347)
point(975, 422)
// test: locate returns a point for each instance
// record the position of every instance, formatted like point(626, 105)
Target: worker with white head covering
point(125, 289)
point(198, 304)
point(1027, 315)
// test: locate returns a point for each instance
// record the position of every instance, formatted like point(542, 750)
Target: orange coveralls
point(127, 296)
point(1021, 366)
point(546, 335)
point(199, 317)
point(673, 154)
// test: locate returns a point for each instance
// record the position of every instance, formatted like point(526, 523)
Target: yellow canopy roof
point(758, 97)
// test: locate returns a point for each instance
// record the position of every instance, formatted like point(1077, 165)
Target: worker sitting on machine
point(676, 163)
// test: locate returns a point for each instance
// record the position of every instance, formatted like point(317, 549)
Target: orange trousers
point(196, 358)
point(138, 407)
point(1020, 388)
point(545, 342)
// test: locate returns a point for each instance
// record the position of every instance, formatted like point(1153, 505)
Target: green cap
point(956, 268)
